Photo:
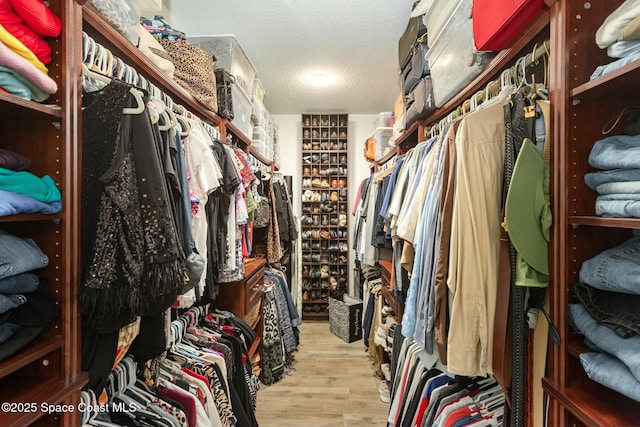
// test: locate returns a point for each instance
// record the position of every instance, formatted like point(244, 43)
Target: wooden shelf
point(51, 392)
point(597, 221)
point(615, 82)
point(594, 404)
point(260, 157)
point(575, 346)
point(38, 348)
point(106, 35)
point(233, 129)
point(31, 217)
point(390, 298)
point(410, 136)
point(311, 315)
point(384, 159)
point(325, 151)
point(12, 106)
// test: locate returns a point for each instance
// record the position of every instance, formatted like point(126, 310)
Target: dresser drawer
point(253, 289)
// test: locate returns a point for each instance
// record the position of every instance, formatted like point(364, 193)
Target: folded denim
point(602, 70)
point(616, 152)
point(619, 196)
point(618, 187)
point(20, 283)
point(616, 310)
point(611, 373)
point(622, 49)
point(593, 179)
point(7, 302)
point(618, 208)
point(7, 330)
point(625, 350)
point(616, 269)
point(19, 255)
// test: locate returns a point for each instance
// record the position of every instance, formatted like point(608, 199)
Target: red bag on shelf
point(496, 23)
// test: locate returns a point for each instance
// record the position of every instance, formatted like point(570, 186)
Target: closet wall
point(360, 128)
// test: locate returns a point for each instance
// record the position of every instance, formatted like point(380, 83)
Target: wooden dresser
point(244, 299)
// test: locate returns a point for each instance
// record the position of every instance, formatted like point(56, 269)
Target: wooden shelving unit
point(47, 370)
point(324, 173)
point(581, 107)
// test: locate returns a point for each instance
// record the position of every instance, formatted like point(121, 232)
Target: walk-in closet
point(348, 214)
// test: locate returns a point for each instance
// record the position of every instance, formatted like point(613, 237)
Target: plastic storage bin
point(453, 58)
point(384, 120)
point(242, 108)
point(258, 90)
point(259, 115)
point(438, 14)
point(382, 136)
point(231, 57)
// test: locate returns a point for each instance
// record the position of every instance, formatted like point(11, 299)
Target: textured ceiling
point(355, 41)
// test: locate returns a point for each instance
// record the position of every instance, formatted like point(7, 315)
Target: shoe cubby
point(324, 210)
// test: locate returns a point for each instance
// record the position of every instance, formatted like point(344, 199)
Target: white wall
point(361, 126)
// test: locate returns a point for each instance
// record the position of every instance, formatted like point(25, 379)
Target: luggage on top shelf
point(415, 29)
point(419, 103)
point(416, 68)
point(496, 23)
point(452, 57)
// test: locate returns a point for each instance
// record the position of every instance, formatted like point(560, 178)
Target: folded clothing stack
point(618, 181)
point(23, 49)
point(27, 306)
point(23, 192)
point(606, 314)
point(620, 35)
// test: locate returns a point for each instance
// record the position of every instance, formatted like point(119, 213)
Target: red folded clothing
point(38, 17)
point(16, 26)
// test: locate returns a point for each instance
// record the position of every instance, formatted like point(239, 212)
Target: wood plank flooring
point(333, 386)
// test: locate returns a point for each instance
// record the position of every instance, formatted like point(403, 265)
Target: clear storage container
point(259, 113)
point(242, 108)
point(383, 120)
point(453, 58)
point(230, 56)
point(437, 16)
point(382, 136)
point(258, 90)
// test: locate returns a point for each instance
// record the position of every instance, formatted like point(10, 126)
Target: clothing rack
point(186, 320)
point(514, 75)
point(98, 58)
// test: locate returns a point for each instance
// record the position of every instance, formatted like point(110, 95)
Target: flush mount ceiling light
point(320, 79)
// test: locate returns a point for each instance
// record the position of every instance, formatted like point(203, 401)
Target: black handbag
point(224, 80)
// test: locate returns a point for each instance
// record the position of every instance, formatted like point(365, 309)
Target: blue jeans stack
point(606, 313)
point(618, 181)
point(19, 258)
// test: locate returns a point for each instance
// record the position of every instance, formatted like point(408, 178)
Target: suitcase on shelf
point(420, 102)
point(496, 23)
point(436, 18)
point(415, 29)
point(416, 68)
point(453, 59)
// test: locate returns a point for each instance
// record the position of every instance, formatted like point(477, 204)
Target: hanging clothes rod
point(100, 59)
point(514, 75)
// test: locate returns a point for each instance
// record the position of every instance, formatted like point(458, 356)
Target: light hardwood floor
point(334, 385)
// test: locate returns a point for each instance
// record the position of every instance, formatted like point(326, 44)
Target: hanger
point(86, 72)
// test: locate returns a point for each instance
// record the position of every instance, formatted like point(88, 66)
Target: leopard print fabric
point(194, 70)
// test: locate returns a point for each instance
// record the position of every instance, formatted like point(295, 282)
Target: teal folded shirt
point(42, 189)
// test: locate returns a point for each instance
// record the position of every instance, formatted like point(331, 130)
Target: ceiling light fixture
point(320, 79)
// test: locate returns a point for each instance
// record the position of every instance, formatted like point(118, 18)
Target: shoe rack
point(325, 215)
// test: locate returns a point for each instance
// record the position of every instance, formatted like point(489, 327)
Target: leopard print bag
point(194, 70)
